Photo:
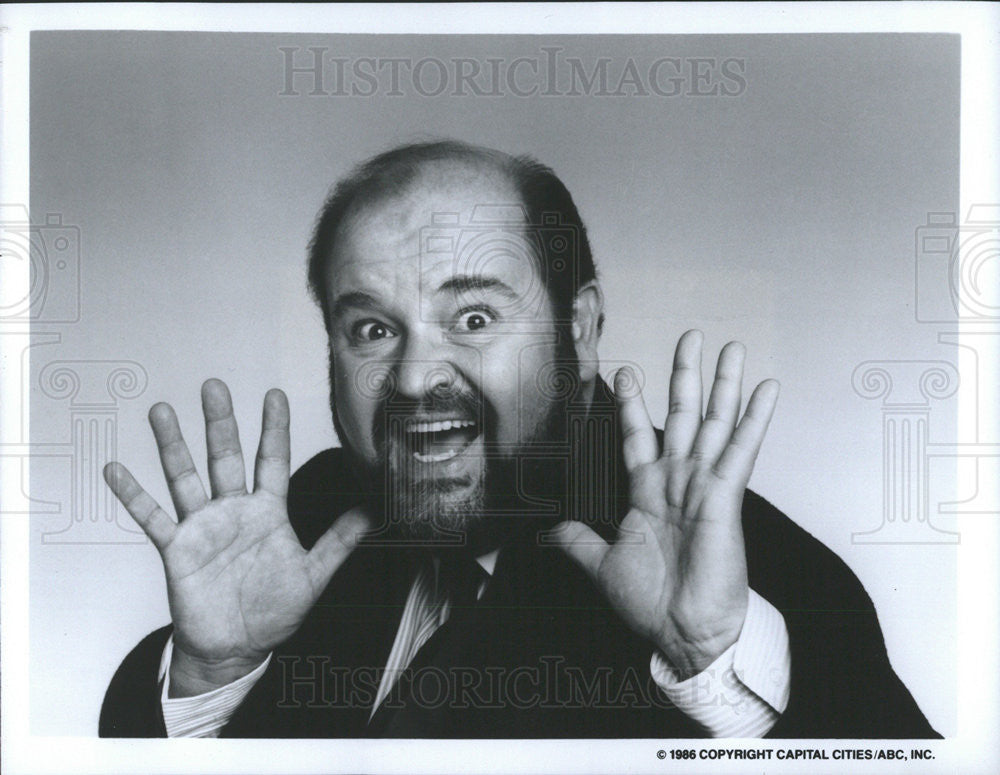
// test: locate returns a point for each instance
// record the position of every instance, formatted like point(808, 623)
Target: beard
point(510, 495)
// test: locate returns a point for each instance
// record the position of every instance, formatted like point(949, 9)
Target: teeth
point(439, 458)
point(434, 427)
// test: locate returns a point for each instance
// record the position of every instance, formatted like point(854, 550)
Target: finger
point(186, 489)
point(333, 547)
point(684, 414)
point(272, 469)
point(582, 544)
point(225, 456)
point(736, 462)
point(638, 438)
point(153, 520)
point(723, 408)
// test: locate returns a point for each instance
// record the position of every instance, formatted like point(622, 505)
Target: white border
point(975, 749)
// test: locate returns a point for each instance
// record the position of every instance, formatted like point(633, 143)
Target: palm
point(675, 566)
point(237, 576)
point(238, 580)
point(677, 572)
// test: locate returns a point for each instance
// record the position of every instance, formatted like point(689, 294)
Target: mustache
point(461, 402)
point(395, 410)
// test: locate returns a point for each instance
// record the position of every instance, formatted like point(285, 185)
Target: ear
point(588, 316)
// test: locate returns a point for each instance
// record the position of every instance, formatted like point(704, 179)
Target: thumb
point(582, 544)
point(336, 544)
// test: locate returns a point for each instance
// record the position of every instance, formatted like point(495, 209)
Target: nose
point(424, 367)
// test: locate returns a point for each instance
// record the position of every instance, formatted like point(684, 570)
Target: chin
point(423, 511)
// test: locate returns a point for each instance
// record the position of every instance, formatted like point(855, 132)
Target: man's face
point(441, 339)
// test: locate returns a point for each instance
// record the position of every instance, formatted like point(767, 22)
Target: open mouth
point(439, 440)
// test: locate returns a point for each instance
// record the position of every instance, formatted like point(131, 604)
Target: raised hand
point(677, 574)
point(238, 581)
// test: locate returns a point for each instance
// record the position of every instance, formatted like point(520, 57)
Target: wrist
point(688, 657)
point(191, 675)
point(687, 662)
point(690, 645)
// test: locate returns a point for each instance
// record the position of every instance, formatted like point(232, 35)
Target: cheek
point(503, 392)
point(517, 385)
point(354, 407)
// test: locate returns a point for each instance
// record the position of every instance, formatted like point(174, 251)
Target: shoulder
point(131, 706)
point(322, 489)
point(318, 469)
point(319, 492)
point(788, 565)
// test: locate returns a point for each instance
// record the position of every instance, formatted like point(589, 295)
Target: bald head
point(434, 170)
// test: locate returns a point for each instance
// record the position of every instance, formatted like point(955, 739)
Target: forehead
point(452, 219)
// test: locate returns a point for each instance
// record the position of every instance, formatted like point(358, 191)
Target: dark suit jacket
point(542, 655)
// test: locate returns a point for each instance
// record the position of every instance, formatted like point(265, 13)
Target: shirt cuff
point(203, 715)
point(745, 690)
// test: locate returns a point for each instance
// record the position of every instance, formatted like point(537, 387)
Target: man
point(502, 547)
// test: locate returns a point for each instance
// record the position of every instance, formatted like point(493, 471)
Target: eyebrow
point(464, 283)
point(458, 284)
point(353, 299)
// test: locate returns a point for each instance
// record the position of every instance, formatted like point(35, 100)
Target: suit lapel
point(456, 683)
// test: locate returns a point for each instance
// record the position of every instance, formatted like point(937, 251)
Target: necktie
point(452, 582)
point(460, 578)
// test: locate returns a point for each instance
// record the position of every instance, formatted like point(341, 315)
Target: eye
point(472, 320)
point(370, 331)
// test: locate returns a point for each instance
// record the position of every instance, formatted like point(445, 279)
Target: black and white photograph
point(501, 387)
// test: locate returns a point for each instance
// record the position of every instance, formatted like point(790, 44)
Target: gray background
point(783, 217)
